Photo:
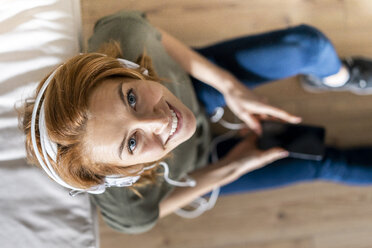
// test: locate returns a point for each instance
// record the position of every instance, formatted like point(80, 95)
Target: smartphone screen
point(301, 141)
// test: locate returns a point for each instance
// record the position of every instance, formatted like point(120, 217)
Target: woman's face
point(135, 121)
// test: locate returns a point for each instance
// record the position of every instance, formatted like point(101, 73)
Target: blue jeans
point(349, 166)
point(270, 56)
point(275, 55)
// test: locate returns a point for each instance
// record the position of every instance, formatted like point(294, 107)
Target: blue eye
point(132, 143)
point(131, 98)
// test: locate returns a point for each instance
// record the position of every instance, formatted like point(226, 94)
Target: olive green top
point(121, 208)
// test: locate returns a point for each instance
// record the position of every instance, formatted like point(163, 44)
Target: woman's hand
point(243, 103)
point(243, 158)
point(250, 108)
point(246, 157)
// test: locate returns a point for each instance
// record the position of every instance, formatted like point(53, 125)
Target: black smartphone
point(302, 141)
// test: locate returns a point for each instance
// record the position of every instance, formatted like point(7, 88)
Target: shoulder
point(134, 22)
point(137, 16)
point(131, 29)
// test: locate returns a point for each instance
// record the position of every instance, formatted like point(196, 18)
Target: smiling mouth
point(176, 122)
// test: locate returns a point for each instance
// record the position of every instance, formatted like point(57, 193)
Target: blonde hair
point(66, 114)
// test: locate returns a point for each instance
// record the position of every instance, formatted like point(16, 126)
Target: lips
point(176, 122)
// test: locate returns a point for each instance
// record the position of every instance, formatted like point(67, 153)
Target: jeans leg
point(274, 55)
point(270, 56)
point(349, 166)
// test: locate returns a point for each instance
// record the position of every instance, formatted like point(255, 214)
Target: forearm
point(197, 65)
point(207, 179)
point(243, 158)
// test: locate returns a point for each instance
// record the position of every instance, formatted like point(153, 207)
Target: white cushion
point(35, 36)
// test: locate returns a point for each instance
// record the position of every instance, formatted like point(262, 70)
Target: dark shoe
point(360, 81)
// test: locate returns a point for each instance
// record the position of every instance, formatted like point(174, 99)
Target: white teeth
point(174, 123)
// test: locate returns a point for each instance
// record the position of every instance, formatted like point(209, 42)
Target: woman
point(99, 121)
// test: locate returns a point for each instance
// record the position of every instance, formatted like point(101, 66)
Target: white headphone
point(49, 149)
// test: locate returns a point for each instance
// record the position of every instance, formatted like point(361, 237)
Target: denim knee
point(322, 59)
point(310, 33)
point(311, 40)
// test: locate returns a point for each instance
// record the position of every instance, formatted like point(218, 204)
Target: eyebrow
point(122, 98)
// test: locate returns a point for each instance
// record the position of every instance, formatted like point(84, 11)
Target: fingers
point(272, 155)
point(244, 132)
point(278, 113)
point(252, 123)
point(261, 159)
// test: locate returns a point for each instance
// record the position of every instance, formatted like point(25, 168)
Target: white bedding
point(35, 36)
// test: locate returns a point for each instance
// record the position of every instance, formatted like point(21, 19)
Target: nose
point(155, 121)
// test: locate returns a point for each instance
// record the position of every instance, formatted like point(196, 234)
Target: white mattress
point(35, 36)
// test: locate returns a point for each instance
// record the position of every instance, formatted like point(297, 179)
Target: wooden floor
point(309, 215)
